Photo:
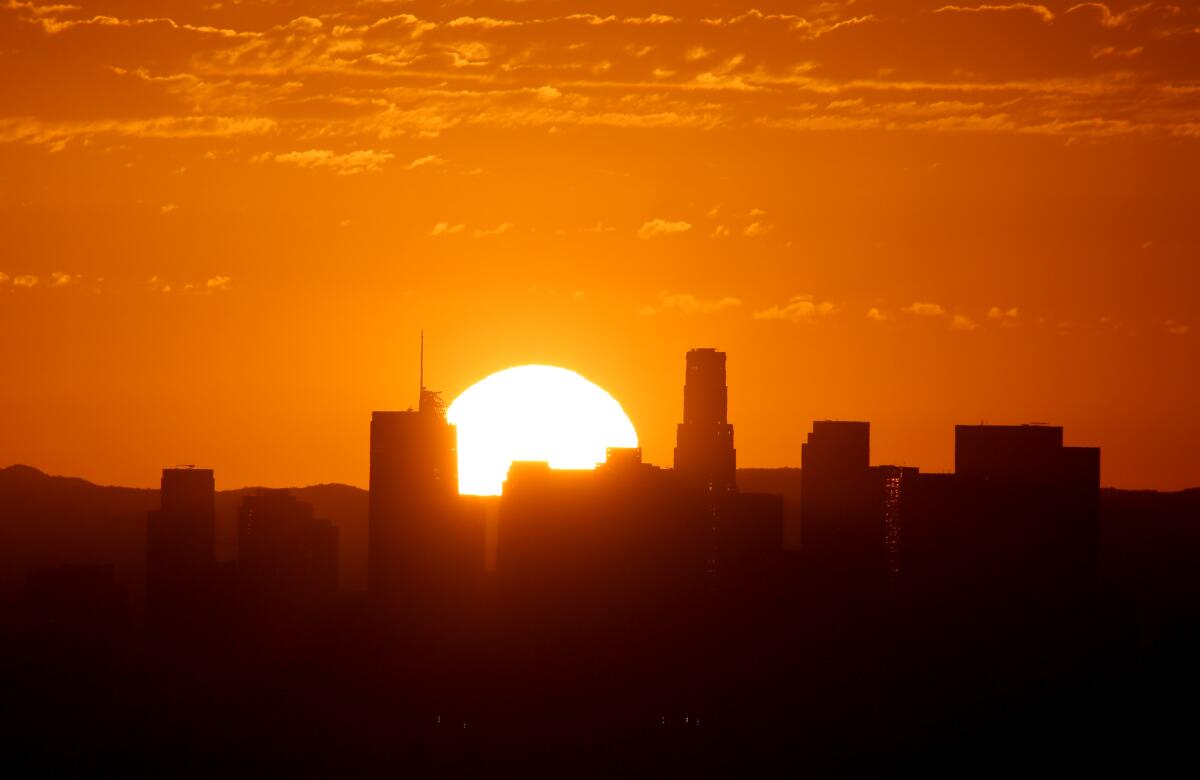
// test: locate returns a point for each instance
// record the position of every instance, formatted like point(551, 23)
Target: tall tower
point(704, 453)
point(413, 504)
point(180, 544)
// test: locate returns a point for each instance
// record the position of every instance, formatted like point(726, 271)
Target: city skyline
point(611, 616)
point(599, 387)
point(720, 402)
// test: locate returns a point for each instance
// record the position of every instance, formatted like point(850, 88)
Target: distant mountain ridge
point(48, 521)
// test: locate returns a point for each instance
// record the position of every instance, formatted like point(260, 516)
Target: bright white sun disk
point(533, 412)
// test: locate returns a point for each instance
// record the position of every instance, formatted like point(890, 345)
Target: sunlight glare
point(533, 412)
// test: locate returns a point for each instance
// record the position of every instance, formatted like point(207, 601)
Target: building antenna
point(422, 371)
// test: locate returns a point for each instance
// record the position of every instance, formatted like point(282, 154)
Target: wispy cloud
point(500, 229)
point(1040, 11)
point(428, 161)
point(924, 309)
point(1006, 317)
point(447, 229)
point(800, 308)
point(361, 161)
point(686, 303)
point(662, 227)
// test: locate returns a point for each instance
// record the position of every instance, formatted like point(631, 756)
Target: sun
point(533, 412)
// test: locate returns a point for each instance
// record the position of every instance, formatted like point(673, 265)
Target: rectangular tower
point(844, 523)
point(1030, 509)
point(704, 452)
point(413, 491)
point(180, 544)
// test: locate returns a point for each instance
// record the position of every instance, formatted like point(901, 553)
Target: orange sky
point(223, 229)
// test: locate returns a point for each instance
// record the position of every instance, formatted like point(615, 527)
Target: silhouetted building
point(843, 529)
point(748, 536)
point(895, 485)
point(598, 570)
point(1033, 505)
point(704, 452)
point(1016, 527)
point(626, 529)
point(180, 547)
point(287, 557)
point(425, 544)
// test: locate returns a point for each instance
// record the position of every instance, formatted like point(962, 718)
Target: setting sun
point(533, 413)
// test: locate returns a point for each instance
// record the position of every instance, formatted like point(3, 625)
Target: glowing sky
point(224, 223)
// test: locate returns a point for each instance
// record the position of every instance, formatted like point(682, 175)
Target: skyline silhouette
point(581, 388)
point(627, 615)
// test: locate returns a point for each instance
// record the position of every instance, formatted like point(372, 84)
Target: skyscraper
point(180, 544)
point(413, 487)
point(424, 542)
point(704, 452)
point(842, 506)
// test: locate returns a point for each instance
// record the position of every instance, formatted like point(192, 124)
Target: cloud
point(361, 161)
point(3, 277)
point(217, 283)
point(446, 229)
point(167, 208)
point(686, 303)
point(1176, 328)
point(1041, 11)
point(55, 135)
point(924, 309)
point(362, 72)
point(963, 322)
point(1104, 15)
point(756, 229)
point(59, 279)
point(1006, 317)
point(485, 22)
point(500, 229)
point(662, 227)
point(720, 232)
point(25, 280)
point(428, 161)
point(800, 308)
point(875, 315)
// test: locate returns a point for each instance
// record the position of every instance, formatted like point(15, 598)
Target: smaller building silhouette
point(288, 558)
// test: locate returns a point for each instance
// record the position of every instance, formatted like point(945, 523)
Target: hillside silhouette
point(48, 521)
